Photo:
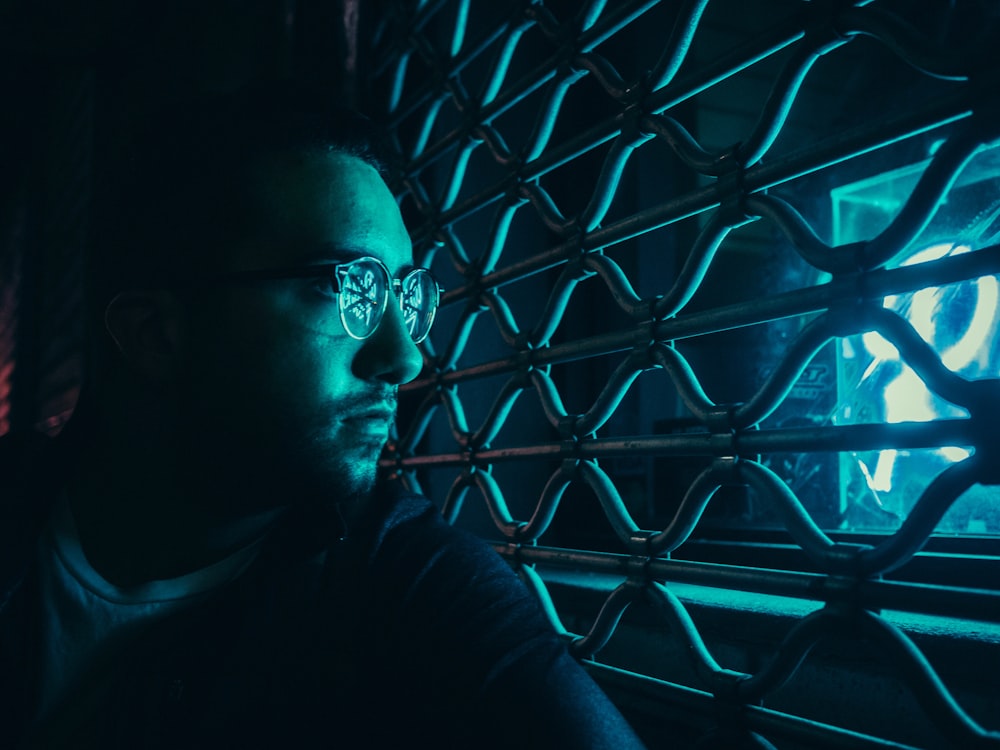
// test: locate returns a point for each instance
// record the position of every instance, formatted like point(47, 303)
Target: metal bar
point(837, 148)
point(622, 15)
point(771, 723)
point(860, 437)
point(682, 89)
point(928, 599)
point(871, 285)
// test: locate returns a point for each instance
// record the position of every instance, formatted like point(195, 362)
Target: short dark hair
point(172, 180)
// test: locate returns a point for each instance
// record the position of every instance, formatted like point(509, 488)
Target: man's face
point(281, 394)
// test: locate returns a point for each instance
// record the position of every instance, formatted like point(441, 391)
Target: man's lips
point(371, 419)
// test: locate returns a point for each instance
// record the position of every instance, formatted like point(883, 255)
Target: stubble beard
point(282, 467)
point(341, 477)
point(290, 454)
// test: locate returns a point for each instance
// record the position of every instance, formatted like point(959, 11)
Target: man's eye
point(326, 286)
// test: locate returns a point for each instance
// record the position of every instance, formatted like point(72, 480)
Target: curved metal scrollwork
point(732, 187)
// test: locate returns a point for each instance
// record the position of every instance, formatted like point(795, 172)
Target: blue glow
point(962, 344)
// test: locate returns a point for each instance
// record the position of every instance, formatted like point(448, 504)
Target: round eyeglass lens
point(418, 300)
point(363, 290)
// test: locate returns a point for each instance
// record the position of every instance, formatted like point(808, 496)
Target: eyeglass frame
point(332, 270)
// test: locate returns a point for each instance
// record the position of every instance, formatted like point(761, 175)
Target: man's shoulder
point(417, 549)
point(410, 516)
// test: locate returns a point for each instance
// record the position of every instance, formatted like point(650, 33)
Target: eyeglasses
point(362, 288)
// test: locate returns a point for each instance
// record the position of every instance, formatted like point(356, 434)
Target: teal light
point(961, 322)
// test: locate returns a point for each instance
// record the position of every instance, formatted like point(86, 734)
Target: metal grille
point(591, 181)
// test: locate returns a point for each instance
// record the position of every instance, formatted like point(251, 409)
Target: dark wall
point(65, 68)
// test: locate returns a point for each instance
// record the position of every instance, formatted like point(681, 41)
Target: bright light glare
point(906, 398)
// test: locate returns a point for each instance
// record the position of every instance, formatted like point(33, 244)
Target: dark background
point(63, 67)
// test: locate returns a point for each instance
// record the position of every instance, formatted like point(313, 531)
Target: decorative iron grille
point(699, 258)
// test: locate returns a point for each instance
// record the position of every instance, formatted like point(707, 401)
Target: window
point(716, 364)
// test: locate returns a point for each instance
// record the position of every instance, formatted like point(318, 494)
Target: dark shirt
point(407, 630)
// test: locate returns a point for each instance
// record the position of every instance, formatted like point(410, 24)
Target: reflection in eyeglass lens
point(361, 298)
point(413, 304)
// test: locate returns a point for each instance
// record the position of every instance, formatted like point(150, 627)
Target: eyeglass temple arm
point(271, 274)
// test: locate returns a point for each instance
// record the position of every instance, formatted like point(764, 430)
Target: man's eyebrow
point(327, 254)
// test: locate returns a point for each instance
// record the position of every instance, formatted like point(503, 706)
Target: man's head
point(265, 388)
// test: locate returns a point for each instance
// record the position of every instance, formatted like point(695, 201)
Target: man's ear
point(146, 327)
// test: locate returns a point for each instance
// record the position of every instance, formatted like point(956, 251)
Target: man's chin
point(272, 471)
point(346, 474)
point(332, 498)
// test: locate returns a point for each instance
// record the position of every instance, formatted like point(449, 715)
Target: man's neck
point(142, 515)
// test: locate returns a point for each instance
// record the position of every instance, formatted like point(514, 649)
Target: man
point(205, 558)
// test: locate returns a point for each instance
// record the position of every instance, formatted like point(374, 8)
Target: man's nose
point(389, 354)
